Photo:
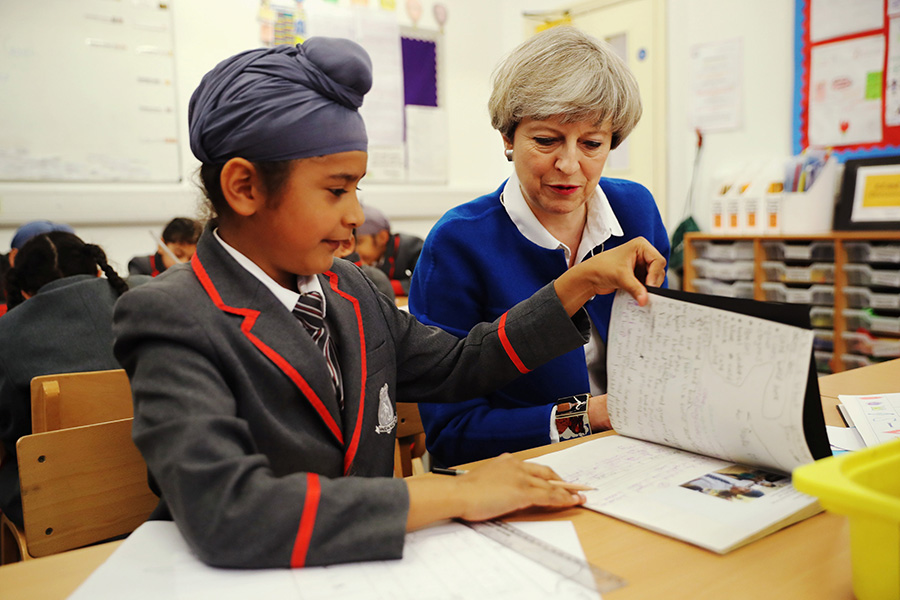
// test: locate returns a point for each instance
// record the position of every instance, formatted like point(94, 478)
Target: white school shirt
point(600, 225)
point(287, 297)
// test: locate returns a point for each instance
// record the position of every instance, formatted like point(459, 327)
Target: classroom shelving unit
point(850, 279)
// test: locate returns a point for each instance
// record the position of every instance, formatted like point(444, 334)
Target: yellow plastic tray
point(865, 486)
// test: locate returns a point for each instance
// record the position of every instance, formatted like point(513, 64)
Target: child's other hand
point(598, 414)
point(630, 267)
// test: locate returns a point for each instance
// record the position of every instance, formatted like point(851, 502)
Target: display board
point(88, 92)
point(847, 77)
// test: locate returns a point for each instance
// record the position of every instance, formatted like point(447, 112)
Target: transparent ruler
point(568, 565)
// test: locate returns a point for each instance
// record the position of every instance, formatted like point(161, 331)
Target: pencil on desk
point(571, 487)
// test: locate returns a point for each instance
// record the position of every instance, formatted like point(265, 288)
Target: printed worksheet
point(447, 560)
point(876, 417)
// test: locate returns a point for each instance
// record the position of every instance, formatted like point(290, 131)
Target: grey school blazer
point(236, 415)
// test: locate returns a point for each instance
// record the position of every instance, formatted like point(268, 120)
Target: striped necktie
point(309, 310)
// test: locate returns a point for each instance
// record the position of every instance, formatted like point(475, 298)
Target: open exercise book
point(715, 407)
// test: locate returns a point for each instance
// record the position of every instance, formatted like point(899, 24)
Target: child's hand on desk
point(506, 484)
point(630, 267)
point(500, 486)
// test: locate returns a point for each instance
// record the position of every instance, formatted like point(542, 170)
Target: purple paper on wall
point(419, 72)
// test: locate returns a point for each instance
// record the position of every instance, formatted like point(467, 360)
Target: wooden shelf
point(759, 276)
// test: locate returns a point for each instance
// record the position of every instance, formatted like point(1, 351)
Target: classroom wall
point(765, 28)
point(119, 216)
point(477, 34)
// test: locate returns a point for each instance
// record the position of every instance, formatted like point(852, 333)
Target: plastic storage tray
point(724, 250)
point(861, 343)
point(823, 251)
point(866, 275)
point(823, 340)
point(855, 318)
point(865, 486)
point(728, 271)
point(823, 361)
point(816, 294)
point(860, 297)
point(855, 361)
point(738, 289)
point(821, 317)
point(815, 273)
point(869, 252)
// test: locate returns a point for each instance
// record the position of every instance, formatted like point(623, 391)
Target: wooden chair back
point(81, 485)
point(76, 399)
point(410, 441)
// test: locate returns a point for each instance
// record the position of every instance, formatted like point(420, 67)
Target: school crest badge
point(387, 418)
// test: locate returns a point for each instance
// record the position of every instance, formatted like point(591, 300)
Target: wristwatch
point(572, 418)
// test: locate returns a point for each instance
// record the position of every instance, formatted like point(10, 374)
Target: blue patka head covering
point(282, 103)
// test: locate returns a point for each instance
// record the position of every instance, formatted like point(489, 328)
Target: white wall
point(118, 216)
point(477, 34)
point(765, 28)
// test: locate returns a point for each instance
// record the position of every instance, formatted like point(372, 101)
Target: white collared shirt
point(600, 225)
point(287, 297)
point(601, 221)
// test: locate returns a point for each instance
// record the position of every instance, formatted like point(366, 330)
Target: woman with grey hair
point(561, 101)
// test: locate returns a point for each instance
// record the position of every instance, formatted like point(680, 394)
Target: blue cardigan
point(475, 265)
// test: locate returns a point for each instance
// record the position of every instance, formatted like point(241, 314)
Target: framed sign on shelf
point(870, 195)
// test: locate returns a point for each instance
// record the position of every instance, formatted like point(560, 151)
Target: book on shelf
point(715, 401)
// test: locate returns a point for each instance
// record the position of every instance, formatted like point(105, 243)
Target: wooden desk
point(810, 559)
point(875, 379)
point(52, 577)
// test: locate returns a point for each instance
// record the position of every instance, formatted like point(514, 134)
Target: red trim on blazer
point(307, 520)
point(350, 452)
point(398, 288)
point(510, 351)
point(393, 258)
point(156, 269)
point(250, 317)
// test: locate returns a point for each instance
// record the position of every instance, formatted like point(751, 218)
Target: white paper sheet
point(710, 381)
point(379, 33)
point(716, 75)
point(834, 18)
point(876, 416)
point(844, 439)
point(426, 144)
point(892, 76)
point(444, 561)
point(845, 92)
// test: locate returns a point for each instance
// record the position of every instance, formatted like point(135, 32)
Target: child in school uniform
point(347, 251)
point(265, 399)
point(180, 239)
point(60, 321)
point(395, 254)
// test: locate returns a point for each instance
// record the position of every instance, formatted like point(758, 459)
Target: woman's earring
point(508, 153)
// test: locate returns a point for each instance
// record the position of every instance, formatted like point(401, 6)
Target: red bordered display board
point(847, 77)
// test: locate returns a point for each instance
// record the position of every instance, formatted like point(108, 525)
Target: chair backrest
point(410, 442)
point(75, 399)
point(408, 420)
point(81, 485)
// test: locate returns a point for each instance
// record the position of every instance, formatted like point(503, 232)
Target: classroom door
point(636, 29)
